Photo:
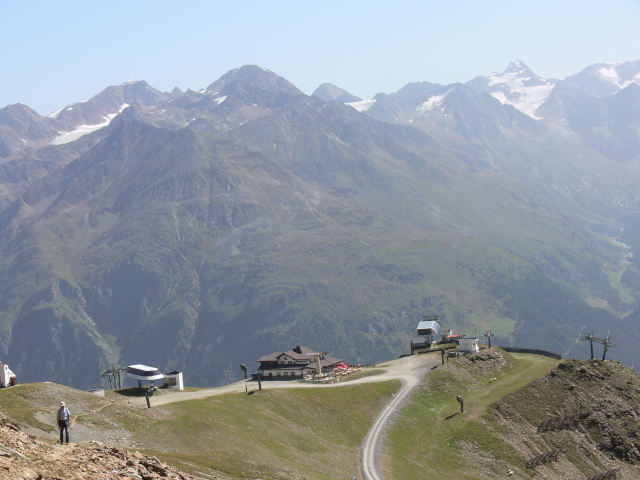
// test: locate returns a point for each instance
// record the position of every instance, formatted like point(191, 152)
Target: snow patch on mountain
point(610, 75)
point(67, 137)
point(362, 105)
point(55, 114)
point(432, 103)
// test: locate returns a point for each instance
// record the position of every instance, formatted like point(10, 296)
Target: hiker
point(64, 417)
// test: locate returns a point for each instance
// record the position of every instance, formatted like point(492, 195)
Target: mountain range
point(200, 230)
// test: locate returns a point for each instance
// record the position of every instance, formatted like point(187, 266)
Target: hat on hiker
point(62, 404)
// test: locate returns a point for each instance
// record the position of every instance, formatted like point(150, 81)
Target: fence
point(537, 351)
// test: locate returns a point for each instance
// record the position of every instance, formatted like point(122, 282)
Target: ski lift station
point(143, 373)
point(429, 329)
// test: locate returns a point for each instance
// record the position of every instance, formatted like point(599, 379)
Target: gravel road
point(411, 371)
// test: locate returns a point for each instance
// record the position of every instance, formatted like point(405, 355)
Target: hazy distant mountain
point(417, 90)
point(330, 93)
point(599, 104)
point(605, 79)
point(22, 128)
point(82, 118)
point(602, 105)
point(200, 230)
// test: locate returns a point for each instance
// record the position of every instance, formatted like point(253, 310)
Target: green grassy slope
point(269, 434)
point(426, 439)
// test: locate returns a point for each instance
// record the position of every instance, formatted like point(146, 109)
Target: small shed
point(7, 377)
point(174, 380)
point(143, 373)
point(469, 345)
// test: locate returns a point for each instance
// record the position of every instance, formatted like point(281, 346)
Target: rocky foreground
point(25, 456)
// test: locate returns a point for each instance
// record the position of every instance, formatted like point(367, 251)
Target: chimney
point(297, 349)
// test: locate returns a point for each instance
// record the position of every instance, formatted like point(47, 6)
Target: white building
point(429, 328)
point(7, 377)
point(469, 345)
point(174, 380)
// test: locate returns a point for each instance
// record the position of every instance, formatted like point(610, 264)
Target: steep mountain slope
point(21, 127)
point(602, 105)
point(121, 218)
point(610, 125)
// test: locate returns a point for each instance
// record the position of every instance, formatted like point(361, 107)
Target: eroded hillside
point(606, 395)
point(588, 409)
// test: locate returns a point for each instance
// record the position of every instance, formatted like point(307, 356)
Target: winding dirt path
point(73, 417)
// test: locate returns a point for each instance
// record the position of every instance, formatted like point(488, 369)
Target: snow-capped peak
point(520, 87)
point(519, 68)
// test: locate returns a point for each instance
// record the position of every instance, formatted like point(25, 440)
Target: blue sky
point(54, 53)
